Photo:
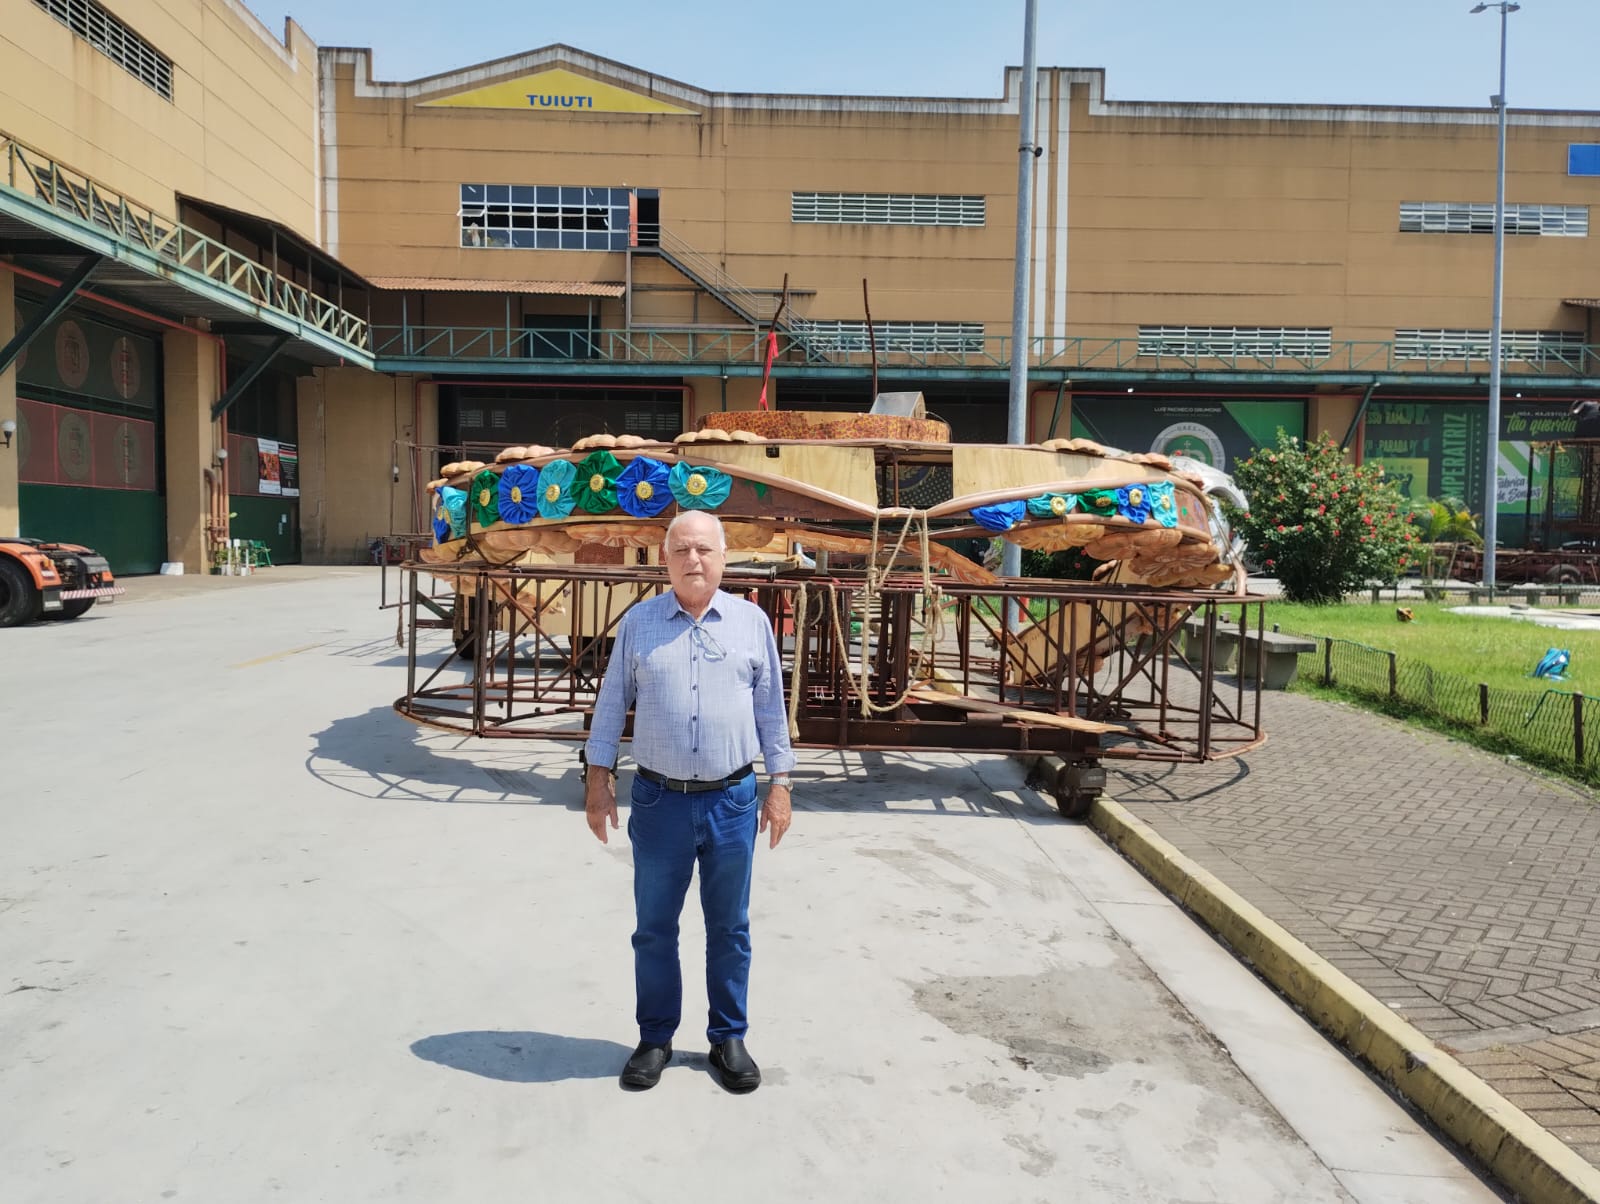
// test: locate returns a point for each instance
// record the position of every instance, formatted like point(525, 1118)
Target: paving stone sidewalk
point(1460, 888)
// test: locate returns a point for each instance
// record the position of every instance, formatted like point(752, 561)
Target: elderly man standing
point(700, 670)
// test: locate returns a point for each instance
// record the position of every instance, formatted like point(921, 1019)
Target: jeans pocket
point(742, 795)
point(645, 793)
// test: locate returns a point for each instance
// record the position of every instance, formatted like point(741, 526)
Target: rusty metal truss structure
point(1088, 672)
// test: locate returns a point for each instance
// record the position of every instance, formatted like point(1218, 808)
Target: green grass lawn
point(1501, 652)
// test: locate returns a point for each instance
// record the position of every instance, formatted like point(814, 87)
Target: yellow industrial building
point(240, 278)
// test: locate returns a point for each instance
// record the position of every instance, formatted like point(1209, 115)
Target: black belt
point(694, 785)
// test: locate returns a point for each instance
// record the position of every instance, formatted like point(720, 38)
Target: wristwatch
point(781, 779)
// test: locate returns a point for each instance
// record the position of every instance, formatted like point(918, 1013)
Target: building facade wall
point(10, 516)
point(191, 371)
point(1224, 217)
point(1198, 215)
point(352, 424)
point(725, 173)
point(1144, 215)
point(240, 129)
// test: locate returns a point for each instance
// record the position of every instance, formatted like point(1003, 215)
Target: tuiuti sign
point(557, 90)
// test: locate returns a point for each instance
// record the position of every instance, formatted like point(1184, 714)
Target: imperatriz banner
point(558, 92)
point(1439, 450)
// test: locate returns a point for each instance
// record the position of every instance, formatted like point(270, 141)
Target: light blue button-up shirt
point(706, 695)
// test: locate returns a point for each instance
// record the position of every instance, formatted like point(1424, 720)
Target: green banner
point(1439, 449)
point(1429, 449)
point(1218, 433)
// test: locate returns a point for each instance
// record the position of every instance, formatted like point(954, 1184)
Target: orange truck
point(50, 580)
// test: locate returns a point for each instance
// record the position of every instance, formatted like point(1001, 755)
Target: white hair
point(722, 535)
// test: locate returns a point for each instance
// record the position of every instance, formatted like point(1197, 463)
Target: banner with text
point(1218, 433)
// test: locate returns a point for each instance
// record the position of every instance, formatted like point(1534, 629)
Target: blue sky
point(1408, 52)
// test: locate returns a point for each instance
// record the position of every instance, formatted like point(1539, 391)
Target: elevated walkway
point(709, 350)
point(53, 217)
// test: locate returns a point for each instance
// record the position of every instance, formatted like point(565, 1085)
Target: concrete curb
point(1515, 1149)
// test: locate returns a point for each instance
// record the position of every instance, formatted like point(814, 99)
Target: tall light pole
point(1491, 502)
point(1017, 409)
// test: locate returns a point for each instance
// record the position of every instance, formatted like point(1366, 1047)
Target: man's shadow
point(524, 1057)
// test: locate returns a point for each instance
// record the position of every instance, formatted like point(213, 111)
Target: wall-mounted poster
point(269, 467)
point(289, 469)
point(1440, 449)
point(1429, 449)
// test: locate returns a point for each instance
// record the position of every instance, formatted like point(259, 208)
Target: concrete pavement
point(262, 938)
point(1458, 888)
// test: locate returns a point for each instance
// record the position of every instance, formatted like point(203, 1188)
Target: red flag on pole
point(766, 373)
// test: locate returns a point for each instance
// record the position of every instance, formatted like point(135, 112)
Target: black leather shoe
point(643, 1070)
point(735, 1069)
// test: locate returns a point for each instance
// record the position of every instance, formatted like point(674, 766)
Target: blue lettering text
point(559, 102)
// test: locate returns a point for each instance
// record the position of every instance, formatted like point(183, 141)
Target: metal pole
point(1017, 411)
point(872, 339)
point(1491, 474)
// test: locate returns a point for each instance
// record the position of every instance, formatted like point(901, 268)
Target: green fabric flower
point(485, 495)
point(595, 488)
point(1100, 501)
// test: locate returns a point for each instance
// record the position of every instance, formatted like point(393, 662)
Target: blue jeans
point(670, 833)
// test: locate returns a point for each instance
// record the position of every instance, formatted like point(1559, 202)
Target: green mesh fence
point(1542, 723)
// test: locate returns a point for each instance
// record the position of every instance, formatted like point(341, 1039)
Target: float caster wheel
point(1077, 786)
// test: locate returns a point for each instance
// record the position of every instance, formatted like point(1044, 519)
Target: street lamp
point(1492, 493)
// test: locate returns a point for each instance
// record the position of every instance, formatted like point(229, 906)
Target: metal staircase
point(756, 308)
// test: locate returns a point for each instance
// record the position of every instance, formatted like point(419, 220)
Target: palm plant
point(1442, 526)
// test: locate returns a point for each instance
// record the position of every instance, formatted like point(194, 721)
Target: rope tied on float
point(872, 587)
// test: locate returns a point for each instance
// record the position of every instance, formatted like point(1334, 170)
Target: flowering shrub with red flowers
point(1321, 526)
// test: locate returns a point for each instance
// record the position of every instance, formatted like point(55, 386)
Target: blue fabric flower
point(1164, 503)
point(643, 488)
point(1052, 505)
point(555, 489)
point(519, 493)
point(699, 488)
point(1133, 502)
point(1001, 516)
point(449, 514)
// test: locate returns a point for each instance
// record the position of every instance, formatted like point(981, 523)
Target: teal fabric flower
point(1164, 503)
point(699, 488)
point(485, 494)
point(1052, 505)
point(519, 493)
point(1001, 516)
point(555, 489)
point(449, 514)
